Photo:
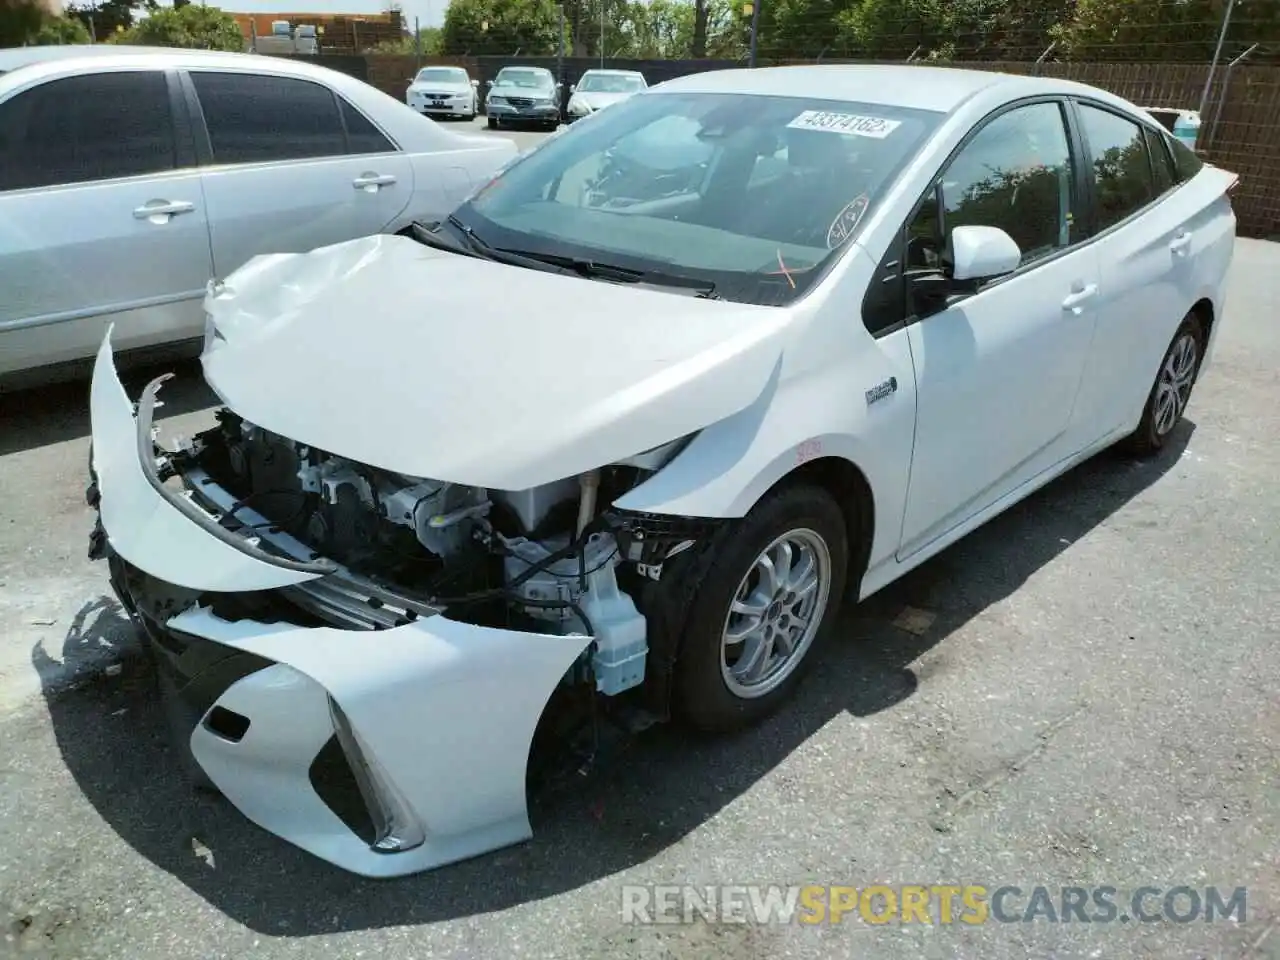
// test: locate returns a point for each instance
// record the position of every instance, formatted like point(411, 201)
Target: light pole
point(1217, 54)
point(754, 6)
point(602, 33)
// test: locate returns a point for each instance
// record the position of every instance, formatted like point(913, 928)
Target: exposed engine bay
point(549, 558)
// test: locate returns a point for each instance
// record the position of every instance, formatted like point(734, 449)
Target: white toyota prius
point(616, 438)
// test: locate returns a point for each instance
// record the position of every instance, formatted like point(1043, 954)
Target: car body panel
point(66, 277)
point(659, 368)
point(404, 695)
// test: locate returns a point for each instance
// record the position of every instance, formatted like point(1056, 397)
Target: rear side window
point(1185, 160)
point(362, 135)
point(82, 129)
point(254, 118)
point(1122, 175)
point(1161, 162)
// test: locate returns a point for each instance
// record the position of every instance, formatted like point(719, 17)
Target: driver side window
point(1017, 174)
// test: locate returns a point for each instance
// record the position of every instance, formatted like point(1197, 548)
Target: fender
point(841, 408)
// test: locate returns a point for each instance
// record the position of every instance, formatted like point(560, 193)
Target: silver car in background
point(597, 89)
point(129, 178)
point(523, 95)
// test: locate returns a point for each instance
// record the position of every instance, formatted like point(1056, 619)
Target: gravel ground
point(1086, 696)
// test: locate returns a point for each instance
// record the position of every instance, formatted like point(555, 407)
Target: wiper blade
point(472, 246)
point(694, 286)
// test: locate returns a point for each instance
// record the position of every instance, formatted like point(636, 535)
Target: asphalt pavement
point(1084, 692)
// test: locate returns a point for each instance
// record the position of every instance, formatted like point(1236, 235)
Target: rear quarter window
point(1185, 161)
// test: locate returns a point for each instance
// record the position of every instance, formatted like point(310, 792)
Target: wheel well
point(1203, 310)
point(849, 486)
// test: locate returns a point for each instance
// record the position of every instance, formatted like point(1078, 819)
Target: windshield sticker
point(875, 127)
point(846, 221)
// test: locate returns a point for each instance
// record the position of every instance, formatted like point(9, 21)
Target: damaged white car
point(621, 446)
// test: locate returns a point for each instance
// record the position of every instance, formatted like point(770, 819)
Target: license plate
point(438, 103)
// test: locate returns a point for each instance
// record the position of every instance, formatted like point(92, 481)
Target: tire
point(712, 691)
point(492, 123)
point(1174, 382)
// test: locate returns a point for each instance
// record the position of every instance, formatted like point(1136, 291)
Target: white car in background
point(597, 89)
point(583, 452)
point(130, 177)
point(444, 92)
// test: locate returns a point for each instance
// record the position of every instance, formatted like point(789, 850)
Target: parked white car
point(597, 89)
point(633, 453)
point(131, 177)
point(444, 92)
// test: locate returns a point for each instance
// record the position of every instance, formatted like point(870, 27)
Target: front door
point(101, 219)
point(294, 166)
point(998, 369)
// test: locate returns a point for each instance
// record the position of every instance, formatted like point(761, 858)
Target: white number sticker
point(875, 127)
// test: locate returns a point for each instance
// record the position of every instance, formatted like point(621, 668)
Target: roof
point(609, 71)
point(941, 89)
point(123, 57)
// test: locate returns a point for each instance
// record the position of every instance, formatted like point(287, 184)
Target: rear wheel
point(1171, 391)
point(770, 592)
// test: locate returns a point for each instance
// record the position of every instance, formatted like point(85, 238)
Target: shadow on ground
point(661, 787)
point(40, 417)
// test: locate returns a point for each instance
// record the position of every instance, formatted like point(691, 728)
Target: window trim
point(204, 142)
point(896, 254)
point(1095, 215)
point(180, 124)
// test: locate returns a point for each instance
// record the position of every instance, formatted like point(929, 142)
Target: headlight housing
point(497, 100)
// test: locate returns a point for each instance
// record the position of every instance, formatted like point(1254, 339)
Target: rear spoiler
point(1228, 180)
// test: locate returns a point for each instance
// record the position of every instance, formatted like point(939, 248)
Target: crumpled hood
point(439, 365)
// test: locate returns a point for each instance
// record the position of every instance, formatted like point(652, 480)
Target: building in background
point(333, 33)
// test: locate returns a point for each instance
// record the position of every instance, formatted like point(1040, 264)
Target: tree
point(480, 27)
point(1145, 30)
point(60, 30)
point(193, 27)
point(19, 20)
point(429, 39)
point(107, 17)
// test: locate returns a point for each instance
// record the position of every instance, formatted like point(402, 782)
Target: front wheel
point(771, 591)
point(1171, 391)
point(493, 123)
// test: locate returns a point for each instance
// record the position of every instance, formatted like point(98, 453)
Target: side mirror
point(488, 83)
point(980, 253)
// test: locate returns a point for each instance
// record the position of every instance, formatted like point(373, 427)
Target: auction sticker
point(850, 123)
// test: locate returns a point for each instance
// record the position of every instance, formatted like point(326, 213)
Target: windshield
point(610, 83)
point(443, 75)
point(523, 78)
point(753, 194)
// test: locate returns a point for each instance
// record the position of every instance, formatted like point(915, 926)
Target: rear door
point(1150, 230)
point(101, 217)
point(292, 166)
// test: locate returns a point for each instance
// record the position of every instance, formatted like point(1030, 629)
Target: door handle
point(1075, 299)
point(161, 211)
point(373, 182)
point(1180, 243)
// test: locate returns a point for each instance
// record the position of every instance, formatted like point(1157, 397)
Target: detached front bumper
point(433, 717)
